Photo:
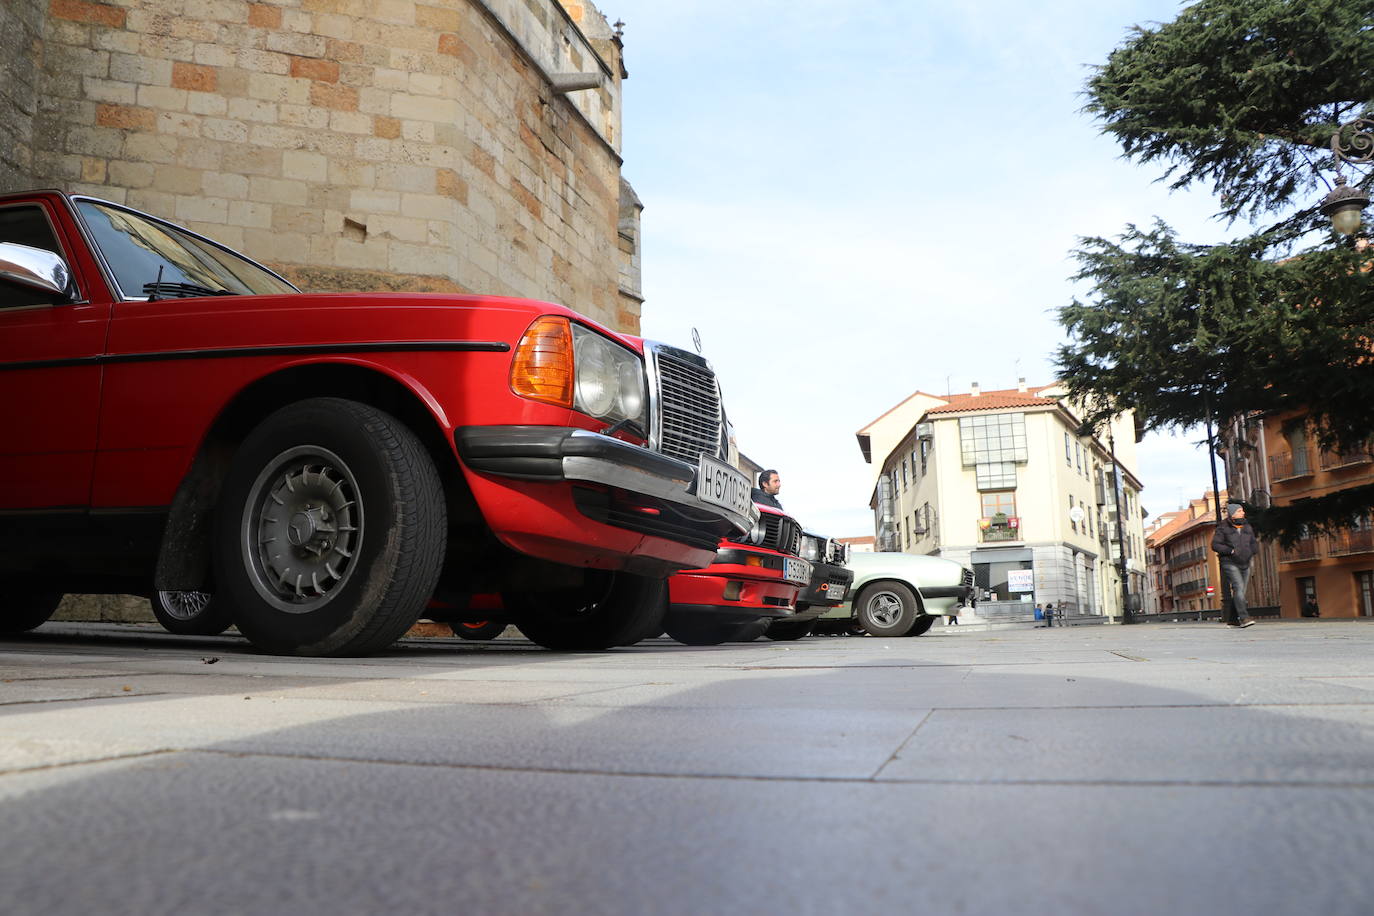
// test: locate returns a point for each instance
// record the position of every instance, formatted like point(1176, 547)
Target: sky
point(854, 201)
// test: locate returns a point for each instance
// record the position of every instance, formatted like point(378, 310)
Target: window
point(1296, 434)
point(904, 472)
point(993, 578)
point(1364, 592)
point(27, 224)
point(998, 437)
point(994, 445)
point(1072, 524)
point(1078, 455)
point(142, 251)
point(997, 474)
point(1003, 502)
point(1068, 455)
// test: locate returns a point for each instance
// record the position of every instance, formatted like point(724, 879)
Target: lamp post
point(1344, 205)
point(1227, 612)
point(1119, 497)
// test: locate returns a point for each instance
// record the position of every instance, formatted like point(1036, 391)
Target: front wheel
point(611, 609)
point(191, 613)
point(331, 530)
point(693, 629)
point(482, 629)
point(787, 630)
point(922, 625)
point(887, 609)
point(26, 607)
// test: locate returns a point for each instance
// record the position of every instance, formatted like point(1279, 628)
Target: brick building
point(1274, 458)
point(445, 145)
point(1183, 570)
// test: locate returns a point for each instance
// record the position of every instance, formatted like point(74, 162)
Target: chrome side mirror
point(36, 268)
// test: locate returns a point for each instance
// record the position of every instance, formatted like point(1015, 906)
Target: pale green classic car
point(899, 594)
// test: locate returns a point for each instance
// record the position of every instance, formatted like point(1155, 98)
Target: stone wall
point(349, 144)
point(21, 55)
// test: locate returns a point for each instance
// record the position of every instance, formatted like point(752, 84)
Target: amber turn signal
point(542, 369)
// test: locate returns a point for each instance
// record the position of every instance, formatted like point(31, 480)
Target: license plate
point(795, 570)
point(721, 485)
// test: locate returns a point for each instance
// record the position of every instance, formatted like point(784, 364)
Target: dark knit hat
point(1232, 508)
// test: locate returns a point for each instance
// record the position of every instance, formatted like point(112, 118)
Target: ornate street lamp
point(1345, 204)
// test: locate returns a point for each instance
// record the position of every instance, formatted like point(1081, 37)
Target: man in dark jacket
point(766, 493)
point(1236, 546)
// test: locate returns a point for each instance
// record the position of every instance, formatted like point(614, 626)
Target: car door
point(49, 376)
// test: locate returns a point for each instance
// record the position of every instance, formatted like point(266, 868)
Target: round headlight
point(596, 383)
point(631, 389)
point(758, 532)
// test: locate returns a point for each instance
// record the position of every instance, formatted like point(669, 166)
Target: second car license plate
point(722, 485)
point(795, 570)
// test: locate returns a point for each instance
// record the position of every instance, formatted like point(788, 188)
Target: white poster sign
point(1020, 580)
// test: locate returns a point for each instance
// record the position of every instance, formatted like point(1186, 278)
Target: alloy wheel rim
point(302, 529)
point(884, 609)
point(184, 605)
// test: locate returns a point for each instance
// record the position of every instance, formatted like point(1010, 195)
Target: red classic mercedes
point(180, 422)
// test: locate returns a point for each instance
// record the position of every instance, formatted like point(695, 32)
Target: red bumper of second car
point(743, 579)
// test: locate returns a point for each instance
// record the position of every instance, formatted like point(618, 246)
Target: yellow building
point(1001, 481)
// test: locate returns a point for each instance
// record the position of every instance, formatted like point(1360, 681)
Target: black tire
point(750, 631)
point(613, 609)
point(24, 608)
point(787, 630)
point(651, 625)
point(192, 613)
point(705, 629)
point(922, 625)
point(367, 525)
point(483, 630)
point(830, 627)
point(887, 609)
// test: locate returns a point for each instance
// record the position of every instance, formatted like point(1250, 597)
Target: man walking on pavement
point(1236, 546)
point(766, 493)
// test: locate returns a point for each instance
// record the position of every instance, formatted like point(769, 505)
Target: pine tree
point(1241, 95)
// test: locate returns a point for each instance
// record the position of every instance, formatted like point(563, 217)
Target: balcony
point(1331, 460)
point(1192, 587)
point(1357, 540)
point(1291, 466)
point(1000, 528)
point(1188, 558)
point(1306, 549)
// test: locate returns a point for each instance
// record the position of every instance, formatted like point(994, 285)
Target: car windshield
point(152, 259)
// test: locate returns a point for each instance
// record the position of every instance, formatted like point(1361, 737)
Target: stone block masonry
point(398, 145)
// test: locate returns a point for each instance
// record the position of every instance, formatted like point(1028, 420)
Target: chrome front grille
point(687, 418)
